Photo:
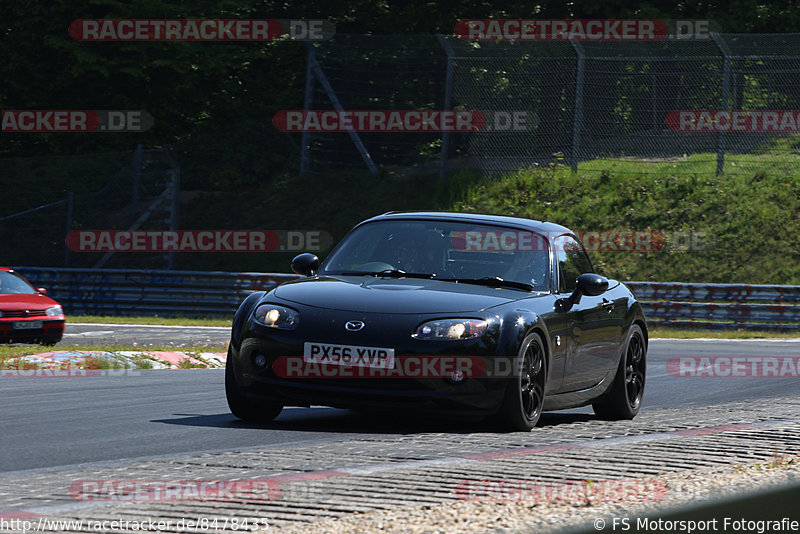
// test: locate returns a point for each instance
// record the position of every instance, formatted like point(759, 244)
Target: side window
point(572, 262)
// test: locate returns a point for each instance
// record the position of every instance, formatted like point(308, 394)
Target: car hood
point(368, 294)
point(12, 301)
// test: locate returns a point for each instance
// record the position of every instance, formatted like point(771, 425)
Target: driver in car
point(529, 266)
point(419, 252)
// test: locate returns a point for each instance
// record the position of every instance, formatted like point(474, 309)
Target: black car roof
point(518, 222)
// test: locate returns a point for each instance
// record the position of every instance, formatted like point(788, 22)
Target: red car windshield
point(14, 284)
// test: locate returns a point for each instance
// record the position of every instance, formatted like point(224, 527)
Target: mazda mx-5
point(477, 315)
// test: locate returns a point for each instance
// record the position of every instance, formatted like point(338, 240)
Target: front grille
point(25, 313)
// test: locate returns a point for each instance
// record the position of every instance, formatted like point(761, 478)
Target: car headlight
point(450, 329)
point(55, 311)
point(276, 316)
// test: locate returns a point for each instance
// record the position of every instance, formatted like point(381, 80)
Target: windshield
point(446, 250)
point(12, 283)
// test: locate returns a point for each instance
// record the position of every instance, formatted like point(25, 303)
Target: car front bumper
point(51, 328)
point(477, 396)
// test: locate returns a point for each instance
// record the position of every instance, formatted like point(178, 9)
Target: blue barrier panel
point(141, 292)
point(214, 293)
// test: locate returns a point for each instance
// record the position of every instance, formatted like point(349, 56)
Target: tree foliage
point(192, 87)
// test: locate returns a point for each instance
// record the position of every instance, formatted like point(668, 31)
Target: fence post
point(653, 103)
point(726, 81)
point(70, 206)
point(137, 181)
point(307, 103)
point(448, 103)
point(577, 112)
point(173, 210)
point(338, 106)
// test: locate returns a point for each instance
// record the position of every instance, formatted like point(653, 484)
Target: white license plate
point(26, 325)
point(351, 355)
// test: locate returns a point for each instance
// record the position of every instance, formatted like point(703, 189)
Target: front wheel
point(51, 340)
point(625, 398)
point(525, 394)
point(241, 406)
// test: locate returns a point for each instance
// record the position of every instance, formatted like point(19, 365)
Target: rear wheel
point(241, 406)
point(525, 394)
point(625, 398)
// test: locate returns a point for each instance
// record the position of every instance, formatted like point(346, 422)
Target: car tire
point(241, 406)
point(524, 397)
point(52, 340)
point(624, 399)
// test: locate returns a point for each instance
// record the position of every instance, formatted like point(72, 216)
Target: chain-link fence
point(381, 72)
point(46, 198)
point(634, 107)
point(628, 107)
point(240, 155)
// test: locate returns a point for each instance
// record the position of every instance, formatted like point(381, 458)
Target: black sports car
point(442, 312)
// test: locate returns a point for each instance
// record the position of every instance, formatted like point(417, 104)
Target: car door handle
point(608, 305)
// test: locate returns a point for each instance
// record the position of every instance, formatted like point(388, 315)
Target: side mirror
point(305, 264)
point(41, 291)
point(589, 284)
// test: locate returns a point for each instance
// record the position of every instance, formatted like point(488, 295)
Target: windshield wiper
point(389, 273)
point(491, 281)
point(400, 273)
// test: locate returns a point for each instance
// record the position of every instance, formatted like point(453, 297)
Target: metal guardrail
point(720, 306)
point(204, 293)
point(141, 292)
point(715, 292)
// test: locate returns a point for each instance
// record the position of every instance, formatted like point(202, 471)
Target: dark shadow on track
point(349, 422)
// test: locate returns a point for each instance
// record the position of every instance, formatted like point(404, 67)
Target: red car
point(26, 314)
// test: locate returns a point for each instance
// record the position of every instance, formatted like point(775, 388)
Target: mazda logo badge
point(354, 326)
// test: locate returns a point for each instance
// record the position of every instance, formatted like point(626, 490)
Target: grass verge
point(662, 332)
point(172, 321)
point(695, 333)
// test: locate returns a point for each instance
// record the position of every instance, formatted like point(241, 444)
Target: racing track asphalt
point(49, 422)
